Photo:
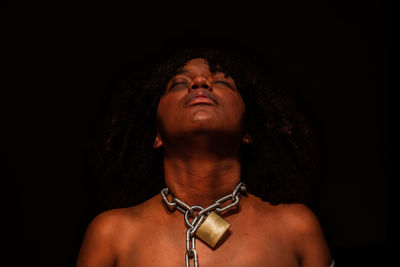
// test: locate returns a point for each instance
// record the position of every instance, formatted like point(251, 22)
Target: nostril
point(200, 82)
point(196, 86)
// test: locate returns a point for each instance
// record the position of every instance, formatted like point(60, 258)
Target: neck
point(201, 179)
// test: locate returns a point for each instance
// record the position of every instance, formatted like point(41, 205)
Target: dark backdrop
point(64, 60)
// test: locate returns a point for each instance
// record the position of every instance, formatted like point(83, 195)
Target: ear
point(247, 138)
point(157, 141)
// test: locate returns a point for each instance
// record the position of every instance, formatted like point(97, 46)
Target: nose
point(200, 82)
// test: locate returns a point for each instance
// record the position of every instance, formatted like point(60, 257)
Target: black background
point(64, 59)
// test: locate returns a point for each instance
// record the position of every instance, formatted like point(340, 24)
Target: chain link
point(201, 215)
point(189, 215)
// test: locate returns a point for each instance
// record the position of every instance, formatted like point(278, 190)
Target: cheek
point(165, 111)
point(162, 110)
point(236, 105)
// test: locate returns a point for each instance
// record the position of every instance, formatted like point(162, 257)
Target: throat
point(203, 181)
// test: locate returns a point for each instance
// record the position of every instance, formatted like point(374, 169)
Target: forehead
point(195, 66)
point(199, 66)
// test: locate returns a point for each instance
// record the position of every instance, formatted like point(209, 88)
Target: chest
point(247, 243)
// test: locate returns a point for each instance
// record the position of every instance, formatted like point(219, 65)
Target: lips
point(200, 97)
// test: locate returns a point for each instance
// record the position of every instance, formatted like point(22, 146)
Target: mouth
point(200, 97)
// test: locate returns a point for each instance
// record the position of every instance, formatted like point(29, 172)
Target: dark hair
point(277, 166)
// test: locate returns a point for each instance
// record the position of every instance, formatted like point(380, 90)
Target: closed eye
point(226, 83)
point(177, 85)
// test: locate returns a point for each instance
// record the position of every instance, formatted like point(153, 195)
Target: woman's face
point(196, 101)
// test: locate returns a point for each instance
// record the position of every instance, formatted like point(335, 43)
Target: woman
point(214, 122)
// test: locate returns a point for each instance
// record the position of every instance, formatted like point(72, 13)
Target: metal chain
point(188, 212)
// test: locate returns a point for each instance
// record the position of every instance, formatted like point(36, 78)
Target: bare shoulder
point(298, 218)
point(108, 224)
point(306, 234)
point(293, 215)
point(111, 224)
point(107, 234)
point(295, 218)
point(300, 226)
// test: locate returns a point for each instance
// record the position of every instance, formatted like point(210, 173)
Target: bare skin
point(201, 140)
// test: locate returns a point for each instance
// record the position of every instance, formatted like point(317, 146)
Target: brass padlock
point(212, 229)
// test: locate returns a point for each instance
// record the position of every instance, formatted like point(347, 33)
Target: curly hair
point(277, 166)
